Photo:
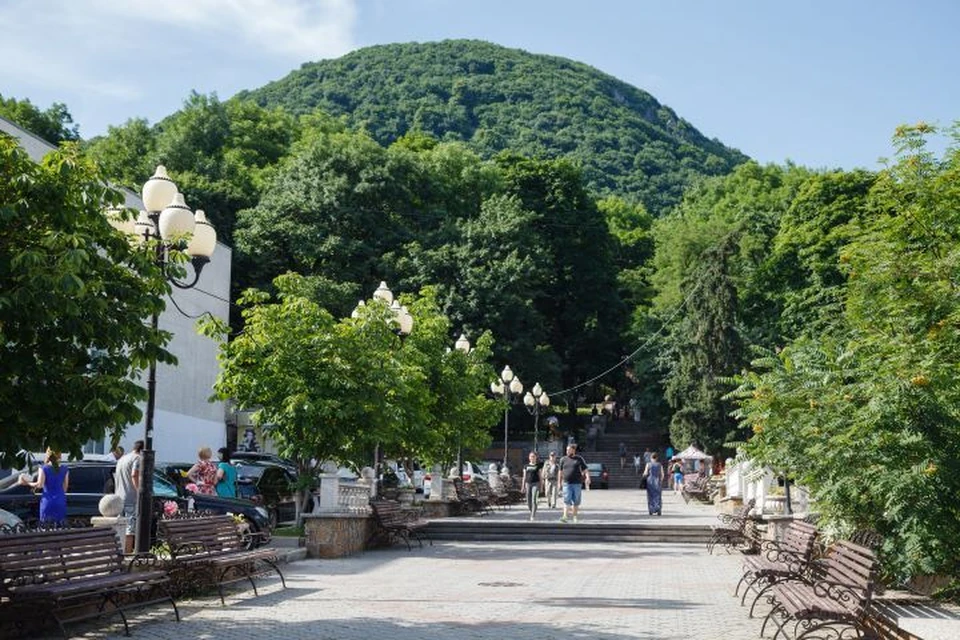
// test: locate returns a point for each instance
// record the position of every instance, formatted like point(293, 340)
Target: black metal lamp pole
point(171, 225)
point(508, 385)
point(534, 401)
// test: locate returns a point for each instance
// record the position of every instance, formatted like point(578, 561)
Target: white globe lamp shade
point(406, 321)
point(529, 400)
point(176, 220)
point(144, 226)
point(204, 240)
point(496, 387)
point(357, 310)
point(516, 386)
point(159, 190)
point(383, 293)
point(545, 400)
point(537, 390)
point(506, 375)
point(462, 344)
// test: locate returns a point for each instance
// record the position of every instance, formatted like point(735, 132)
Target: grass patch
point(288, 532)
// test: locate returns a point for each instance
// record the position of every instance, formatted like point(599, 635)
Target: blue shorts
point(572, 494)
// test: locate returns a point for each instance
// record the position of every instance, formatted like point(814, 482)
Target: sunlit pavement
point(494, 591)
point(502, 591)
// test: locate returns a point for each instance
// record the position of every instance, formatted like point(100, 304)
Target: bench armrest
point(842, 592)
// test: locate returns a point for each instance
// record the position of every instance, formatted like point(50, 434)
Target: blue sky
point(822, 83)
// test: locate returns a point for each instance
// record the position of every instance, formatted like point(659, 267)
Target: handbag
point(643, 482)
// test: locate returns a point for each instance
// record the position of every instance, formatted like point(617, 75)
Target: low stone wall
point(334, 535)
point(430, 509)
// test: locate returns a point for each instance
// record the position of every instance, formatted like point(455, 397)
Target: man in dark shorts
point(572, 476)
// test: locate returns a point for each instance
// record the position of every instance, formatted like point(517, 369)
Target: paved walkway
point(489, 591)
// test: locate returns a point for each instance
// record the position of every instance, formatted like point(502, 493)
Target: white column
point(329, 494)
point(436, 483)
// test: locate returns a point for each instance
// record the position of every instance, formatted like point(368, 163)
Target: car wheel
point(274, 518)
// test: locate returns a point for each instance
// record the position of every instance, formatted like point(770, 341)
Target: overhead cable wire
point(631, 356)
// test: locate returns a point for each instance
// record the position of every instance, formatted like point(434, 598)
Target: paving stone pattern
point(488, 591)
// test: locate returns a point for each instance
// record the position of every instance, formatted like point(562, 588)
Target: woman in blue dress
point(52, 480)
point(654, 474)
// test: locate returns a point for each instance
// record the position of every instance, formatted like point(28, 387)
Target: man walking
point(572, 476)
point(127, 479)
point(550, 475)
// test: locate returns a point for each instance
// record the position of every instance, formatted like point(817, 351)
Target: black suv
point(270, 485)
point(89, 481)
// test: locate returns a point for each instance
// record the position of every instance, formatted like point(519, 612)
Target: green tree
point(704, 348)
point(328, 388)
point(55, 125)
point(866, 417)
point(73, 297)
point(127, 154)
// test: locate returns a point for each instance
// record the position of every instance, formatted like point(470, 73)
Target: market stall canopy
point(691, 453)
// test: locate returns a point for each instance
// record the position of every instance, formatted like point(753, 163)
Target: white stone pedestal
point(329, 493)
point(118, 523)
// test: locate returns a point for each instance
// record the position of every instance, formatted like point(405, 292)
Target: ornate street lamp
point(167, 225)
point(508, 386)
point(403, 327)
point(534, 401)
point(462, 345)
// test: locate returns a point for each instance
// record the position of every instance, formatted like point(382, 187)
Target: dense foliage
point(73, 297)
point(54, 125)
point(830, 298)
point(495, 98)
point(327, 388)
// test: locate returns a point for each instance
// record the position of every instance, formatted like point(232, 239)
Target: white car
point(470, 470)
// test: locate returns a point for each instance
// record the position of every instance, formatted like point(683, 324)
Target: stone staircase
point(608, 451)
point(489, 530)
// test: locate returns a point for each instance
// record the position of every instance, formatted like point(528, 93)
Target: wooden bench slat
point(213, 541)
point(51, 572)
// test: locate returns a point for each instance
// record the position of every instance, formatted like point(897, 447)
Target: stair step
point(553, 530)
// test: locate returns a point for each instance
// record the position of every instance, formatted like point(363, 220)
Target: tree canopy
point(74, 294)
point(495, 99)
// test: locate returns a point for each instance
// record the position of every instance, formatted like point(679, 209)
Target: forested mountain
point(495, 98)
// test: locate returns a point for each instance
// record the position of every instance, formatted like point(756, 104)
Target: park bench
point(734, 532)
point(512, 487)
point(394, 523)
point(695, 487)
point(787, 559)
point(208, 549)
point(492, 498)
point(835, 597)
point(468, 497)
point(71, 575)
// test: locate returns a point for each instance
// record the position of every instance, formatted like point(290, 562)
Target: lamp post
point(508, 386)
point(462, 345)
point(403, 326)
point(167, 225)
point(534, 401)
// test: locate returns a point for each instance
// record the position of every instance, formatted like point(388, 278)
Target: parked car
point(269, 458)
point(470, 470)
point(599, 476)
point(270, 486)
point(8, 520)
point(88, 480)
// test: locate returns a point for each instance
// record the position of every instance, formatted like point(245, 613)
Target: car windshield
point(163, 488)
point(595, 466)
point(251, 471)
